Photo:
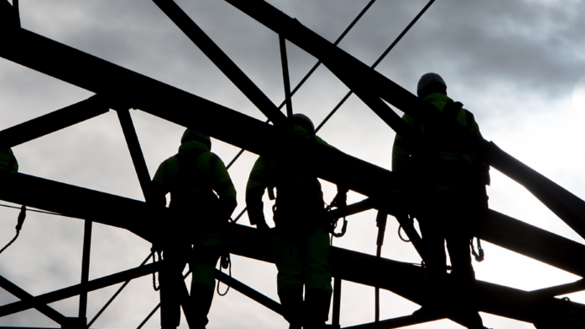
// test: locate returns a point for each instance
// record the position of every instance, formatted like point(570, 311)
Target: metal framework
point(122, 89)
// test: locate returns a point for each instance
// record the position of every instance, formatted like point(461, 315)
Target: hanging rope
point(226, 262)
point(19, 223)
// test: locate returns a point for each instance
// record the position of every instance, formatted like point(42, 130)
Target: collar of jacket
point(437, 97)
point(193, 146)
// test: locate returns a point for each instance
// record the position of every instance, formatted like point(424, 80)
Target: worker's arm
point(160, 185)
point(258, 181)
point(224, 188)
point(401, 150)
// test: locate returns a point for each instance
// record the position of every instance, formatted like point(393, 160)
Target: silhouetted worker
point(192, 176)
point(301, 239)
point(453, 185)
point(8, 163)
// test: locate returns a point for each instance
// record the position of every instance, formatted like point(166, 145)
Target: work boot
point(317, 303)
point(291, 299)
point(201, 298)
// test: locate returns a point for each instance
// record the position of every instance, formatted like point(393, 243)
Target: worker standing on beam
point(192, 176)
point(301, 238)
point(453, 182)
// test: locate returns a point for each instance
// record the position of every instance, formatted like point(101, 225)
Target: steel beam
point(52, 122)
point(135, 151)
point(42, 300)
point(85, 271)
point(25, 296)
point(222, 61)
point(399, 322)
point(564, 204)
point(248, 292)
point(401, 278)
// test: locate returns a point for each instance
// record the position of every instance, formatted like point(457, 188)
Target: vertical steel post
point(285, 76)
point(336, 302)
point(85, 272)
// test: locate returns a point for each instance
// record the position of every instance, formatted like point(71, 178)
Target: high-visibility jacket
point(297, 187)
point(446, 164)
point(192, 176)
point(8, 161)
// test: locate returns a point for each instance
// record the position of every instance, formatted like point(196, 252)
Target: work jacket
point(298, 192)
point(192, 176)
point(8, 163)
point(448, 163)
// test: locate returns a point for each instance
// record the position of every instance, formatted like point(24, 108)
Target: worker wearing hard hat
point(453, 185)
point(192, 176)
point(301, 242)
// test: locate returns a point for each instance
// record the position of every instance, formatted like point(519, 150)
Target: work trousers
point(202, 261)
point(452, 221)
point(301, 258)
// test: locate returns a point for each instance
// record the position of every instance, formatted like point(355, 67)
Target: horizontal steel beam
point(47, 310)
point(42, 300)
point(401, 278)
point(564, 204)
point(52, 122)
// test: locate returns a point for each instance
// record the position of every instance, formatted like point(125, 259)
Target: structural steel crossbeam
point(25, 296)
point(403, 279)
point(42, 300)
point(52, 122)
point(567, 206)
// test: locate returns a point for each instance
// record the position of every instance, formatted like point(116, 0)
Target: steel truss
point(122, 89)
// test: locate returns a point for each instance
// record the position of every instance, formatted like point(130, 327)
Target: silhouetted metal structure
point(122, 89)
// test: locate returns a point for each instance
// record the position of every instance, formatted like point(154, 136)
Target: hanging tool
point(19, 223)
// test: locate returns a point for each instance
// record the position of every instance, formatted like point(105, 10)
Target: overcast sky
point(518, 65)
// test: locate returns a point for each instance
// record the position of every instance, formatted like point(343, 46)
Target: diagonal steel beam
point(135, 151)
point(75, 290)
point(399, 322)
point(248, 291)
point(222, 61)
point(25, 296)
point(564, 204)
point(52, 122)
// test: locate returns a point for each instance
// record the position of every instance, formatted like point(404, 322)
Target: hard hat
point(428, 79)
point(304, 121)
point(191, 134)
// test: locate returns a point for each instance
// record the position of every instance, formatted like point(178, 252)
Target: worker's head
point(304, 121)
point(431, 83)
point(193, 135)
